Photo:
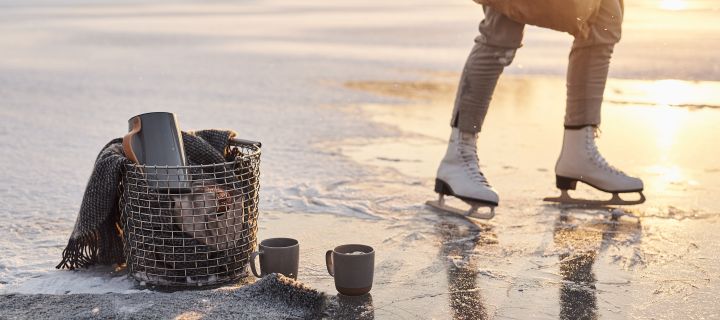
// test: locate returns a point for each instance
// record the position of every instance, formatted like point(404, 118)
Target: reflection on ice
point(556, 261)
point(579, 243)
point(458, 244)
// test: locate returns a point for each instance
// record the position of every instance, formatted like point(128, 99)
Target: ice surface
point(585, 262)
point(96, 280)
point(72, 73)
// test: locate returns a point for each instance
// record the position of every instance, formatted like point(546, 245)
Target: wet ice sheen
point(554, 261)
point(73, 75)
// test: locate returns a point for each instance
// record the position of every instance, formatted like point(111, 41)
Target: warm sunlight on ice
point(673, 4)
point(670, 92)
point(666, 120)
point(656, 129)
point(663, 93)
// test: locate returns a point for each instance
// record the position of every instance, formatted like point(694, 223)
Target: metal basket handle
point(236, 141)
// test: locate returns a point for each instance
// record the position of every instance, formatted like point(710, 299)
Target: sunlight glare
point(667, 124)
point(670, 92)
point(669, 173)
point(673, 4)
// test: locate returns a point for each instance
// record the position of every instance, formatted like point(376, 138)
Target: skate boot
point(459, 176)
point(580, 160)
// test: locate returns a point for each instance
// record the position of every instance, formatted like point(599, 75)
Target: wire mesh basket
point(195, 236)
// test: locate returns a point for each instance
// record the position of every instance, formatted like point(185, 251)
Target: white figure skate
point(580, 160)
point(459, 176)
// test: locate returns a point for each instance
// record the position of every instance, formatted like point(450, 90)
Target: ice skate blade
point(565, 198)
point(470, 213)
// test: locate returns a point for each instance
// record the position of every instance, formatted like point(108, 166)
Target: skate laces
point(470, 159)
point(595, 155)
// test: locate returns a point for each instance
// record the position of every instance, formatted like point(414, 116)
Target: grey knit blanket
point(96, 237)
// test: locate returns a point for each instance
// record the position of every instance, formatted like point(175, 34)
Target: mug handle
point(329, 263)
point(127, 145)
point(252, 263)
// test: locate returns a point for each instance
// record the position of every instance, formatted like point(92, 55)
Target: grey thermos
point(155, 141)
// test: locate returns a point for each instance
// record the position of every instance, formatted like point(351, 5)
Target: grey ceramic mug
point(352, 266)
point(277, 255)
point(156, 140)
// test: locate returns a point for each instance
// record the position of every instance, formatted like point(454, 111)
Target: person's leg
point(588, 67)
point(459, 172)
point(579, 158)
point(494, 49)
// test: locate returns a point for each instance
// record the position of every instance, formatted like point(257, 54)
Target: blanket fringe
point(100, 246)
point(80, 252)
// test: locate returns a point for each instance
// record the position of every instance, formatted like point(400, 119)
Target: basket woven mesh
point(195, 236)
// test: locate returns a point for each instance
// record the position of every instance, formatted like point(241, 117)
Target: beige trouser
point(495, 49)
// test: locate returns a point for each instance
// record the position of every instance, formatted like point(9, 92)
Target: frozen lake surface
point(351, 101)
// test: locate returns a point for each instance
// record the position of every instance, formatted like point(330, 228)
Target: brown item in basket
point(210, 214)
